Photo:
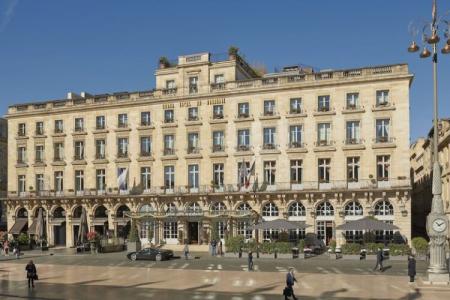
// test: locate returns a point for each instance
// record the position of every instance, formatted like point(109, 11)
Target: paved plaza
point(112, 276)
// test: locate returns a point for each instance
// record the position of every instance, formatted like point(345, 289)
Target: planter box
point(133, 246)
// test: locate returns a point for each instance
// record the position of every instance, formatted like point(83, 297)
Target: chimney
point(72, 95)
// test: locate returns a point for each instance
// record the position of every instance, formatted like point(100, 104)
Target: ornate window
point(121, 211)
point(193, 208)
point(146, 208)
point(218, 207)
point(100, 212)
point(22, 213)
point(270, 210)
point(325, 209)
point(384, 208)
point(59, 213)
point(77, 212)
point(296, 209)
point(353, 208)
point(170, 208)
point(244, 207)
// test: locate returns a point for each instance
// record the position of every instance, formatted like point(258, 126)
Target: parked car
point(312, 242)
point(151, 254)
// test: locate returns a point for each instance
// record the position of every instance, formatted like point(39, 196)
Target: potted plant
point(233, 52)
point(133, 243)
point(164, 62)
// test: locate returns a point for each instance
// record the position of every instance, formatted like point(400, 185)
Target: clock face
point(439, 225)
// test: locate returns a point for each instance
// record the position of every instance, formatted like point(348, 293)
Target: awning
point(18, 226)
point(367, 224)
point(281, 224)
point(32, 228)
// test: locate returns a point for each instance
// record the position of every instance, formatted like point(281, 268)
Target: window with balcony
point(352, 100)
point(21, 184)
point(122, 121)
point(382, 98)
point(242, 172)
point(39, 128)
point(218, 175)
point(323, 134)
point(21, 155)
point(59, 181)
point(146, 178)
point(269, 107)
point(193, 85)
point(218, 141)
point(169, 144)
point(146, 146)
point(382, 130)
point(323, 103)
point(269, 172)
point(193, 176)
point(40, 183)
point(58, 151)
point(79, 124)
point(218, 112)
point(324, 165)
point(79, 180)
point(192, 114)
point(59, 126)
point(100, 149)
point(100, 175)
point(383, 162)
point(122, 147)
point(100, 122)
point(353, 133)
point(295, 136)
point(39, 157)
point(296, 106)
point(22, 129)
point(353, 164)
point(145, 118)
point(169, 177)
point(243, 141)
point(269, 138)
point(296, 171)
point(79, 150)
point(243, 110)
point(193, 143)
point(169, 116)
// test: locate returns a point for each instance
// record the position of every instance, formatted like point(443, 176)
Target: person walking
point(379, 260)
point(220, 248)
point(213, 245)
point(6, 247)
point(31, 273)
point(250, 261)
point(290, 280)
point(411, 268)
point(186, 251)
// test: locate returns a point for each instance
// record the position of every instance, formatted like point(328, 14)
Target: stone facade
point(421, 155)
point(319, 147)
point(3, 170)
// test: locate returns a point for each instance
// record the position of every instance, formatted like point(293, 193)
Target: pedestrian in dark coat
point(250, 261)
point(411, 268)
point(290, 280)
point(31, 273)
point(186, 251)
point(379, 260)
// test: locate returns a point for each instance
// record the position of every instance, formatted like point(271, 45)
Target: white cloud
point(8, 14)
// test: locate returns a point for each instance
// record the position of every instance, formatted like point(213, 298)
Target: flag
point(263, 186)
point(136, 190)
point(434, 13)
point(255, 185)
point(249, 174)
point(122, 179)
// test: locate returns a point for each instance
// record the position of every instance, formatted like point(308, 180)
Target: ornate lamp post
point(437, 222)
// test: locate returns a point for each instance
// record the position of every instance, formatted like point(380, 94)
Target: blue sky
point(50, 47)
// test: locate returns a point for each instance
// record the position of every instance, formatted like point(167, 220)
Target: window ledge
point(218, 121)
point(39, 164)
point(79, 162)
point(122, 159)
point(145, 158)
point(42, 136)
point(353, 111)
point(354, 147)
point(193, 123)
point(290, 116)
point(384, 107)
point(100, 161)
point(58, 163)
point(238, 120)
point(169, 125)
point(219, 154)
point(272, 117)
point(169, 157)
point(79, 133)
point(145, 127)
point(383, 145)
point(324, 113)
point(98, 131)
point(297, 150)
point(244, 153)
point(122, 129)
point(324, 148)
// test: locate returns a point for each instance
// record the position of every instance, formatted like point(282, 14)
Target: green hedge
point(351, 248)
point(233, 244)
point(399, 249)
point(420, 245)
point(23, 239)
point(372, 248)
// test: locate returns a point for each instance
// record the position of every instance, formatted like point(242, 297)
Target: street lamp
point(437, 222)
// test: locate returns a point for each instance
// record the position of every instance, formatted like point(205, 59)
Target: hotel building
point(214, 147)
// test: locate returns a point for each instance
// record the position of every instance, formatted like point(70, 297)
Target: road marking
point(219, 267)
point(397, 288)
point(184, 266)
point(236, 283)
point(322, 270)
point(336, 270)
point(281, 269)
point(250, 282)
point(256, 268)
point(172, 265)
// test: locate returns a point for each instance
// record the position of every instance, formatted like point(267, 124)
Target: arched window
point(218, 207)
point(353, 208)
point(270, 210)
point(193, 208)
point(296, 209)
point(244, 206)
point(325, 209)
point(77, 212)
point(22, 213)
point(146, 208)
point(384, 208)
point(171, 208)
point(59, 213)
point(100, 212)
point(121, 211)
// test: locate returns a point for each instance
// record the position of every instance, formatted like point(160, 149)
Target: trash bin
point(385, 253)
point(338, 252)
point(362, 254)
point(295, 252)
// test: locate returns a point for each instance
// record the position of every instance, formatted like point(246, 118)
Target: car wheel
point(133, 257)
point(158, 257)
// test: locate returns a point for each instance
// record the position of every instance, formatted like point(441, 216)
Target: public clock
point(439, 225)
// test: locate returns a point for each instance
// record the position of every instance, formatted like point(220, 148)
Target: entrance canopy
point(18, 226)
point(280, 224)
point(367, 224)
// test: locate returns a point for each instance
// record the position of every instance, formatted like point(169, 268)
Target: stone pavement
point(124, 282)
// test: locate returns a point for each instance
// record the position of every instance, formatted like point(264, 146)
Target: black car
point(151, 254)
